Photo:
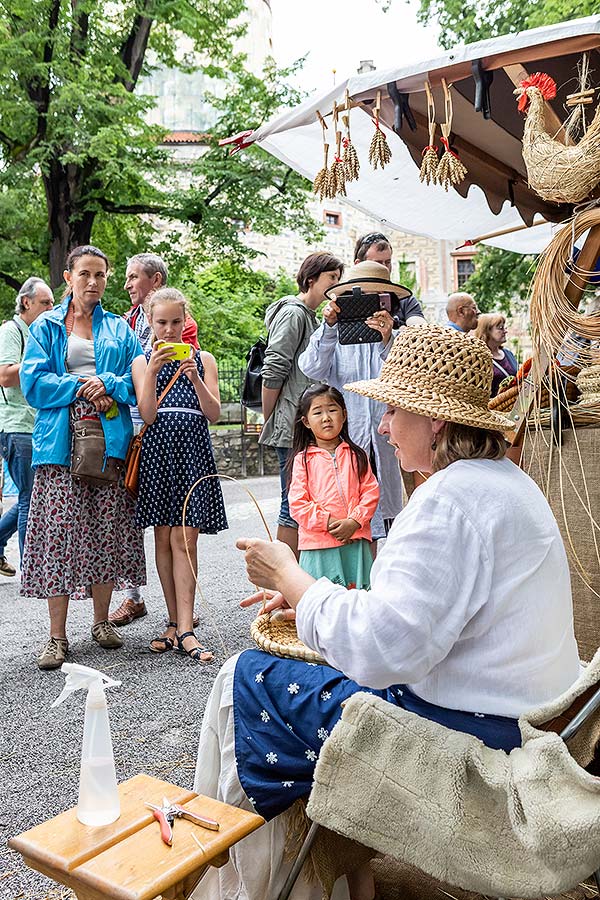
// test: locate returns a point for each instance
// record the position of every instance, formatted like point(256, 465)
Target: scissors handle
point(166, 832)
point(203, 821)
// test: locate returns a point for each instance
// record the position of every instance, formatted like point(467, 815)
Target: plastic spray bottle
point(98, 802)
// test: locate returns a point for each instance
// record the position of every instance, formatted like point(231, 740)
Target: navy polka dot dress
point(176, 452)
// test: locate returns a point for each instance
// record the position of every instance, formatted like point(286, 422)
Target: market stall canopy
point(487, 138)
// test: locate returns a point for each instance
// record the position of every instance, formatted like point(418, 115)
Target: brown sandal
point(167, 642)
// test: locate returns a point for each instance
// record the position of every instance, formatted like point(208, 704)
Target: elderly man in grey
point(16, 416)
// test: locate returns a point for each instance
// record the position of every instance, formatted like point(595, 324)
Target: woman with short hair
point(81, 362)
point(468, 621)
point(491, 329)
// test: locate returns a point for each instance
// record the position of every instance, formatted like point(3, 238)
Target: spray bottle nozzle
point(82, 677)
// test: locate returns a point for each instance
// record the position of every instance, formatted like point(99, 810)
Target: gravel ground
point(155, 714)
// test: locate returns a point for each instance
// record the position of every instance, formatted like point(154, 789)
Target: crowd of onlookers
point(75, 366)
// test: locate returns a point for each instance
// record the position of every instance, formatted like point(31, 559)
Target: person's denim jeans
point(283, 454)
point(15, 448)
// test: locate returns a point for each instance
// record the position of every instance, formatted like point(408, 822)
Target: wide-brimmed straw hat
point(437, 372)
point(372, 278)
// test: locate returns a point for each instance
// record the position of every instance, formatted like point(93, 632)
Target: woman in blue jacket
point(80, 362)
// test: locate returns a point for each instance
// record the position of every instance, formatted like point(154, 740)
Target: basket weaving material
point(437, 372)
point(559, 173)
point(280, 638)
point(588, 382)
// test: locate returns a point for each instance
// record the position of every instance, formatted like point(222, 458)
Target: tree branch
point(133, 209)
point(10, 281)
point(39, 90)
point(133, 50)
point(79, 32)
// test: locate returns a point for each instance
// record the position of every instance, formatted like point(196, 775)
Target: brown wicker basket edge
point(281, 639)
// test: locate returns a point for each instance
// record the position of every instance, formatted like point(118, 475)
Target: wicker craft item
point(558, 173)
point(506, 397)
point(438, 372)
point(588, 382)
point(280, 638)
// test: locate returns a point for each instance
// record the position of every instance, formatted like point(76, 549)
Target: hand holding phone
point(178, 351)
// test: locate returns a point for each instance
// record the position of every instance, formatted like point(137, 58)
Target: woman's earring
point(434, 444)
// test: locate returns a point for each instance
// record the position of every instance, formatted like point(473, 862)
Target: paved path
point(155, 714)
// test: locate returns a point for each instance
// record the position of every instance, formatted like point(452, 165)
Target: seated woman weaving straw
point(468, 621)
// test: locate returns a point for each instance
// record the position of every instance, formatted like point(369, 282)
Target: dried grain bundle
point(555, 324)
point(558, 173)
point(429, 163)
point(320, 182)
point(350, 157)
point(450, 169)
point(379, 151)
point(337, 173)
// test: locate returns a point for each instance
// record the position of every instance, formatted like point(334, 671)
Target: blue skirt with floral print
point(285, 709)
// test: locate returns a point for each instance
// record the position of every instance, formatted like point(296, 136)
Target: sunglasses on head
point(374, 238)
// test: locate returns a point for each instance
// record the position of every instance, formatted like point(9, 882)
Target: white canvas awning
point(496, 193)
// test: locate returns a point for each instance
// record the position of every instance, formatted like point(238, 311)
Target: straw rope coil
point(588, 382)
point(280, 638)
point(559, 173)
point(555, 324)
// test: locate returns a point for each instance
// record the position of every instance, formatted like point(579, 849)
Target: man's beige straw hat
point(437, 372)
point(372, 277)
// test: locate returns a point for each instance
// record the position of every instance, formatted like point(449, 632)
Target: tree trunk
point(68, 227)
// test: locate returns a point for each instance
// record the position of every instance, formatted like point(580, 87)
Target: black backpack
point(252, 388)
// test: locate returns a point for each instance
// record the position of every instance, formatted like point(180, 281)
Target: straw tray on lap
point(280, 638)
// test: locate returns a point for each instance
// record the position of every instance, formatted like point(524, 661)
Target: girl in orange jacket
point(332, 492)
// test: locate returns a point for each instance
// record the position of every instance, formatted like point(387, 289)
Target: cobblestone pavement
point(155, 714)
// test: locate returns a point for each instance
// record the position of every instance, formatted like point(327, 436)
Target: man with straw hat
point(468, 622)
point(326, 359)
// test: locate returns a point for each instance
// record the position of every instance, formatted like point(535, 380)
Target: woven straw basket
point(559, 173)
point(280, 638)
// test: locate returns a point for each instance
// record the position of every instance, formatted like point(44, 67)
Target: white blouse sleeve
point(429, 580)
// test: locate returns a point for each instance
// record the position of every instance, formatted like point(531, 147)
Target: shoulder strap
point(18, 327)
point(162, 397)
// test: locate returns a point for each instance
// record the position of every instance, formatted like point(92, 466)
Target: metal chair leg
point(299, 862)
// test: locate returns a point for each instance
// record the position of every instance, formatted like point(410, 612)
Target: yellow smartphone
point(180, 351)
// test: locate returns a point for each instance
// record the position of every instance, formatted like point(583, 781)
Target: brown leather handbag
point(134, 453)
point(89, 462)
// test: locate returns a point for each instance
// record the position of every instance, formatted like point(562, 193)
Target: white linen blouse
point(470, 601)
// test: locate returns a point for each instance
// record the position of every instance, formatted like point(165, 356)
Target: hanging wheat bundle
point(350, 157)
point(337, 172)
point(450, 168)
point(379, 151)
point(558, 173)
point(429, 162)
point(320, 182)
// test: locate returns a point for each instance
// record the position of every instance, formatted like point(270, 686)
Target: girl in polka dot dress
point(176, 452)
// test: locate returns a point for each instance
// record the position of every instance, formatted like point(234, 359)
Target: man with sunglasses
point(325, 359)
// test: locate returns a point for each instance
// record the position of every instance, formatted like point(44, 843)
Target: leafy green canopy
point(79, 161)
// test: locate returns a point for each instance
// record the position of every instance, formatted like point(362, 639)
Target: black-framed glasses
point(375, 238)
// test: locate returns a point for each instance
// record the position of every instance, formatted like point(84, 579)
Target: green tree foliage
point(78, 159)
point(500, 282)
point(467, 21)
point(228, 301)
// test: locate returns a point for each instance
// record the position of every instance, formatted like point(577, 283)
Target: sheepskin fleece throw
point(526, 824)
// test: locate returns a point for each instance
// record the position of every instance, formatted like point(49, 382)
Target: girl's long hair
point(304, 438)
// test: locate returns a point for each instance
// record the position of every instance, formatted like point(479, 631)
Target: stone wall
point(240, 456)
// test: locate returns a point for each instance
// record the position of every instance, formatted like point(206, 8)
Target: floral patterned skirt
point(79, 535)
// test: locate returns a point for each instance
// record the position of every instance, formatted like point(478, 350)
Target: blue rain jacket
point(50, 389)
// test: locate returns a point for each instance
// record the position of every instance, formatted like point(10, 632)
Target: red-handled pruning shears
point(166, 814)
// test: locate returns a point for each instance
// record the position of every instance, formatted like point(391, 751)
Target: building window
point(463, 269)
point(333, 219)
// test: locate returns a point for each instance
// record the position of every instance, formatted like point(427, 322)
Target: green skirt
point(348, 564)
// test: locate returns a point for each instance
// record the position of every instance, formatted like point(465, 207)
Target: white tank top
point(81, 358)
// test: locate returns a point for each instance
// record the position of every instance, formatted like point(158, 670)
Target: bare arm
point(207, 389)
point(9, 375)
point(269, 399)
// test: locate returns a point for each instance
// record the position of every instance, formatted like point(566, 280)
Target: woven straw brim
point(369, 286)
point(280, 638)
point(426, 402)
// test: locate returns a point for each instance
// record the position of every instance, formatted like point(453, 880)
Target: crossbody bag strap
point(162, 397)
point(18, 327)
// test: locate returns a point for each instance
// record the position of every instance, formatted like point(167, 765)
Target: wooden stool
point(128, 860)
